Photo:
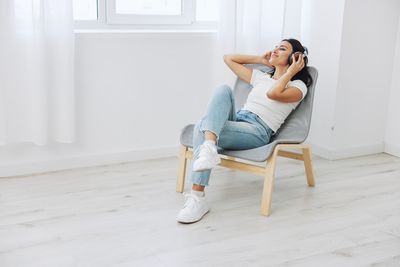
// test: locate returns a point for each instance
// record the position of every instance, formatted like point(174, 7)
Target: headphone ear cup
point(290, 61)
point(305, 60)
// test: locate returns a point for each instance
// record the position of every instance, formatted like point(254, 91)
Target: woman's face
point(280, 54)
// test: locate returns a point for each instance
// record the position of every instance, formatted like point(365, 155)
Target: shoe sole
point(194, 221)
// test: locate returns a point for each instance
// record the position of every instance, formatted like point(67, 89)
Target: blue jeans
point(234, 130)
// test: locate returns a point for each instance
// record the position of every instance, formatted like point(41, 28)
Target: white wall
point(353, 45)
point(366, 64)
point(392, 138)
point(321, 31)
point(139, 91)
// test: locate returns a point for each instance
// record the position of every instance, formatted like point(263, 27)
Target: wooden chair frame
point(267, 171)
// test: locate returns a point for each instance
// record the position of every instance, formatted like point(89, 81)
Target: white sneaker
point(194, 209)
point(208, 157)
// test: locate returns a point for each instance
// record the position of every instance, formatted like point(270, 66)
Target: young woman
point(273, 97)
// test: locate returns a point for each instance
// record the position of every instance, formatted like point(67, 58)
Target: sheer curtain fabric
point(250, 26)
point(36, 72)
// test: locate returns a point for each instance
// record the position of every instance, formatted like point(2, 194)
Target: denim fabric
point(234, 130)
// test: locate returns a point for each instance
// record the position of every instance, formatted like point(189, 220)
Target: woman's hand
point(297, 65)
point(265, 58)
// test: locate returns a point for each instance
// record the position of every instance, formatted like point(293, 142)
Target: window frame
point(188, 15)
point(106, 20)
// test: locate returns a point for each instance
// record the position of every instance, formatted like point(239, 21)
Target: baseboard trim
point(333, 154)
point(392, 149)
point(35, 167)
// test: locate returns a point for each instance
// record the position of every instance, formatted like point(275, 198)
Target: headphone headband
point(305, 51)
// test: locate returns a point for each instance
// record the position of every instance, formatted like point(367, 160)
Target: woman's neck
point(279, 71)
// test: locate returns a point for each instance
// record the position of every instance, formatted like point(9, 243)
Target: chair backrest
point(296, 127)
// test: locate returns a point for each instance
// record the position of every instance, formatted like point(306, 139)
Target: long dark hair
point(304, 74)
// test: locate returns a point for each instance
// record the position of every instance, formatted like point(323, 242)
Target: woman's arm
point(279, 92)
point(236, 62)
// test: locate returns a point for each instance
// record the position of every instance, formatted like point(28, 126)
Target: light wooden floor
point(124, 215)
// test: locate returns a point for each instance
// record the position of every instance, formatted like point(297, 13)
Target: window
point(145, 13)
point(206, 10)
point(85, 9)
point(150, 11)
point(149, 7)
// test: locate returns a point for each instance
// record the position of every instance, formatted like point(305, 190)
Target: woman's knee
point(223, 90)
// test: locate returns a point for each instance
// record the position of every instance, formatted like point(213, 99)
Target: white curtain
point(251, 26)
point(36, 71)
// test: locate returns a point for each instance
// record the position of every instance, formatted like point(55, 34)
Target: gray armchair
point(291, 135)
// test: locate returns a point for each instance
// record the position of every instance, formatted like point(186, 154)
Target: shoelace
point(190, 199)
point(205, 149)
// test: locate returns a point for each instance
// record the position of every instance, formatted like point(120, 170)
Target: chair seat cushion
point(259, 154)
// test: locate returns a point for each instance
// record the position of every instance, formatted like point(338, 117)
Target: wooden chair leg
point(308, 166)
point(180, 180)
point(269, 177)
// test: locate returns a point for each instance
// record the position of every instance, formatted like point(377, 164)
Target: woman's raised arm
point(236, 64)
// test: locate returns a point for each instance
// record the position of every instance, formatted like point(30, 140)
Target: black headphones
point(305, 56)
